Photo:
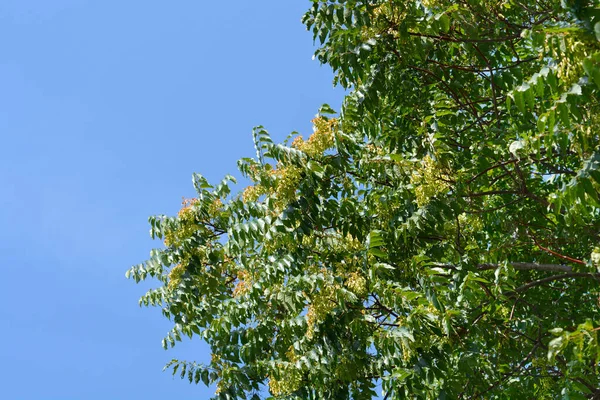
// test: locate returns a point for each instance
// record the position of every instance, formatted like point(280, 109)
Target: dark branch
point(538, 282)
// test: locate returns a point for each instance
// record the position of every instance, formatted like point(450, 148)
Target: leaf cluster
point(439, 237)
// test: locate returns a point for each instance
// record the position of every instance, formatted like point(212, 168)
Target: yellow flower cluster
point(244, 283)
point(323, 137)
point(322, 303)
point(375, 151)
point(430, 3)
point(406, 351)
point(386, 18)
point(291, 354)
point(187, 224)
point(344, 244)
point(175, 276)
point(222, 368)
point(298, 142)
point(215, 207)
point(357, 284)
point(429, 180)
point(288, 179)
point(570, 69)
point(291, 380)
point(251, 194)
point(187, 208)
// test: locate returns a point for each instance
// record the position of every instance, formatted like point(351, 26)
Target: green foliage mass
point(439, 237)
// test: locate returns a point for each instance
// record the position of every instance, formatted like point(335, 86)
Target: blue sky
point(106, 109)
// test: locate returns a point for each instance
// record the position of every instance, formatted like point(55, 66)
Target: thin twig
point(574, 260)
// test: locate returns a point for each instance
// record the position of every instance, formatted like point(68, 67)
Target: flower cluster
point(288, 179)
point(251, 194)
point(357, 284)
point(323, 302)
point(186, 226)
point(175, 276)
point(429, 179)
point(215, 207)
point(291, 380)
point(244, 283)
point(321, 139)
point(569, 69)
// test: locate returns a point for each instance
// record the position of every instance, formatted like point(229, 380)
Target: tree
point(440, 236)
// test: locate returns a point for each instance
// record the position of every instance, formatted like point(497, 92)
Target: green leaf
point(519, 100)
point(555, 346)
point(590, 191)
point(375, 239)
point(204, 377)
point(552, 81)
point(563, 113)
point(445, 22)
point(377, 252)
point(541, 123)
point(530, 97)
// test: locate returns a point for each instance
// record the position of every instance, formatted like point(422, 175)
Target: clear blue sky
point(106, 109)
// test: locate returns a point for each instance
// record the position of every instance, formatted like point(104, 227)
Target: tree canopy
point(439, 236)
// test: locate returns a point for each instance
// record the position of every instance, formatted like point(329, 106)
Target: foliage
point(440, 236)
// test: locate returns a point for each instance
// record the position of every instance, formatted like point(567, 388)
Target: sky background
point(106, 109)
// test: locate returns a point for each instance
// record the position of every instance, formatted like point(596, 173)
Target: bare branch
point(528, 266)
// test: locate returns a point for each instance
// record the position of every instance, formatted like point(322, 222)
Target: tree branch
point(528, 266)
point(595, 276)
point(554, 253)
point(466, 40)
point(523, 266)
